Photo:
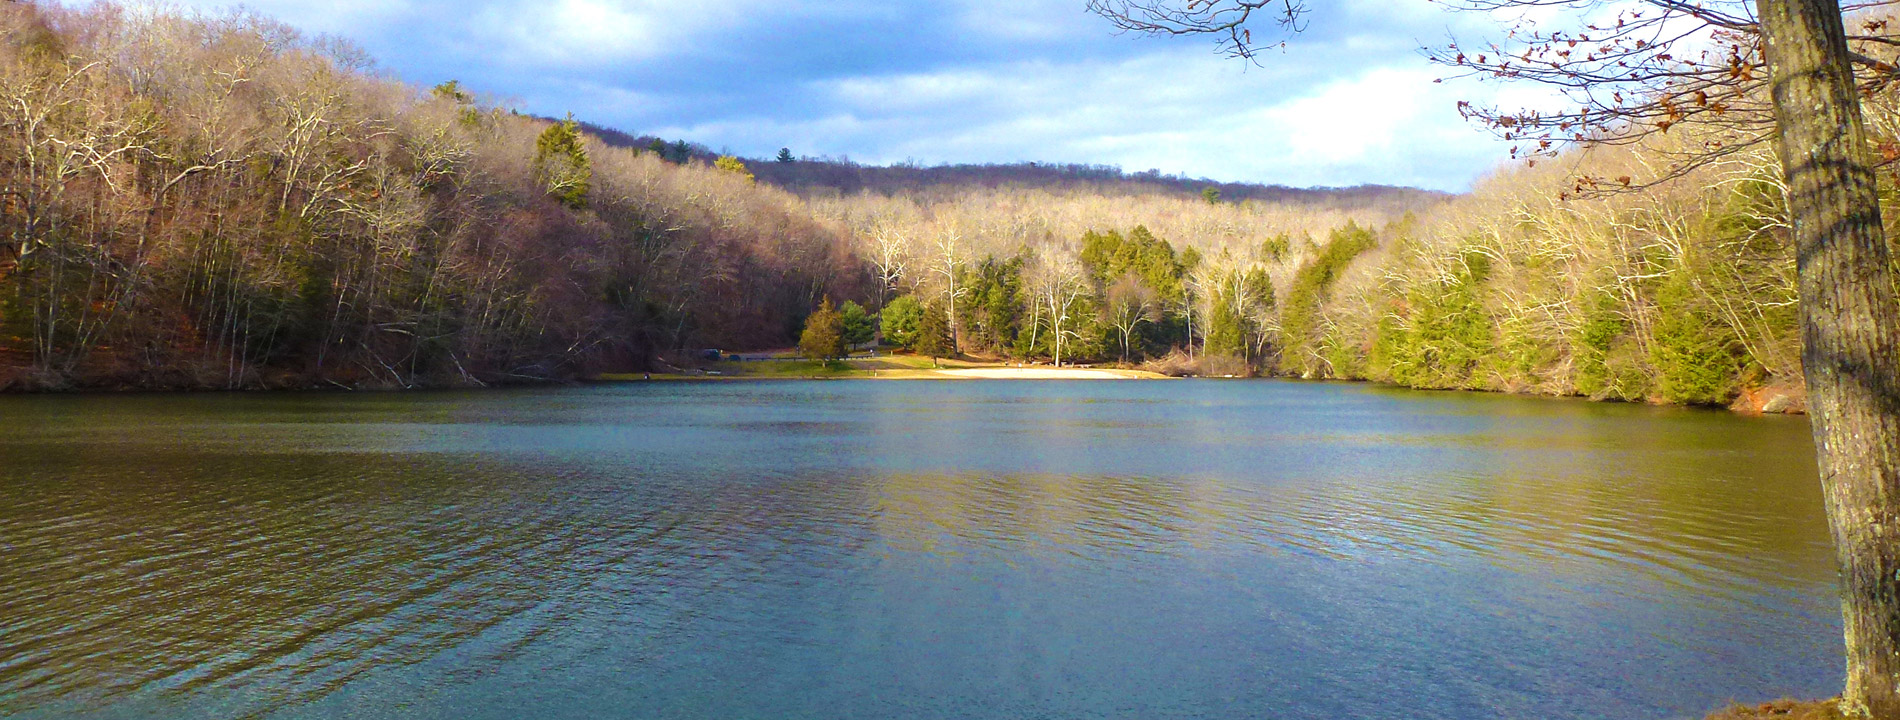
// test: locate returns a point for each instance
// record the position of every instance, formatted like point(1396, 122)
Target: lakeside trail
point(785, 366)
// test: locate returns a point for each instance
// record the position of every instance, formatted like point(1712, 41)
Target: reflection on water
point(931, 550)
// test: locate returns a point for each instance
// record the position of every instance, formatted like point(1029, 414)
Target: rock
point(1778, 399)
point(1787, 404)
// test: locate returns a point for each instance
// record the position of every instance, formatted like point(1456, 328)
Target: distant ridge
point(811, 176)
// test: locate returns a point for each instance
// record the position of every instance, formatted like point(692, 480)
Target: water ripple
point(1186, 550)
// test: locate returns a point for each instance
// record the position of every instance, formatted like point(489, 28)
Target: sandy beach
point(781, 365)
point(1041, 373)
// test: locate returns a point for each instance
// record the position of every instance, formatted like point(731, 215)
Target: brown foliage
point(1784, 709)
point(221, 202)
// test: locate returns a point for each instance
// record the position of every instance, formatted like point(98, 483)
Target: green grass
point(783, 368)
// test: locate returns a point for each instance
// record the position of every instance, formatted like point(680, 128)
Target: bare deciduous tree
point(1127, 303)
point(1056, 278)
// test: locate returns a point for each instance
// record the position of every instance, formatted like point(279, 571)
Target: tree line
point(220, 201)
point(1683, 293)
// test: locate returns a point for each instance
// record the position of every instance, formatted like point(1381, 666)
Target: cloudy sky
point(1349, 101)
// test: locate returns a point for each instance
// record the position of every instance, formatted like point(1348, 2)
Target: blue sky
point(1350, 101)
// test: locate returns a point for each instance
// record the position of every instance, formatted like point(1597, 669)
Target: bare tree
point(890, 251)
point(1059, 283)
point(1128, 303)
point(951, 256)
point(1667, 62)
point(215, 199)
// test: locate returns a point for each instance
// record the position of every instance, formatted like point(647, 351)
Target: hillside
point(220, 202)
point(810, 176)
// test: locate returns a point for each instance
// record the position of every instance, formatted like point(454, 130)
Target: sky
point(1351, 100)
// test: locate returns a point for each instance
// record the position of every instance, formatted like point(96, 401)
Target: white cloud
point(1178, 112)
point(1357, 121)
point(591, 34)
point(956, 81)
point(1021, 20)
point(570, 32)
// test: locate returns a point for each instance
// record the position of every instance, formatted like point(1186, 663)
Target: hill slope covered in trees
point(218, 201)
point(221, 202)
point(840, 176)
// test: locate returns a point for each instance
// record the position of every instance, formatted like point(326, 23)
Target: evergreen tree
point(859, 328)
point(452, 90)
point(1211, 194)
point(1300, 320)
point(561, 163)
point(1226, 330)
point(933, 334)
point(785, 155)
point(900, 320)
point(823, 338)
point(996, 290)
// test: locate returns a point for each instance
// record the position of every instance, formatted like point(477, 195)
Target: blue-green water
point(1193, 549)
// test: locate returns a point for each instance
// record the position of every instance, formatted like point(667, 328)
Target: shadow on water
point(1187, 549)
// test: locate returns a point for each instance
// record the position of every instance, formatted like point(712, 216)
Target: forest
point(834, 176)
point(1682, 292)
point(222, 202)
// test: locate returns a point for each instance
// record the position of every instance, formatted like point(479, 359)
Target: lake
point(885, 549)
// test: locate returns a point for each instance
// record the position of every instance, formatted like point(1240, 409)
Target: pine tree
point(933, 334)
point(785, 155)
point(823, 338)
point(561, 163)
point(900, 320)
point(859, 328)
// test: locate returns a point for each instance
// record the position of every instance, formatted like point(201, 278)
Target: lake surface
point(1192, 549)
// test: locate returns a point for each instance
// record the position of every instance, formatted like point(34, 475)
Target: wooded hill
point(221, 202)
point(811, 176)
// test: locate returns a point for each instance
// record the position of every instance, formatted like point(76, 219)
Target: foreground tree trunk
point(1850, 327)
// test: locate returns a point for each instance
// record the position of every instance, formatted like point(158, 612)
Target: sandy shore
point(1042, 373)
point(886, 367)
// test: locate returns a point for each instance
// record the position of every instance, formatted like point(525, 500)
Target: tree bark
point(1850, 327)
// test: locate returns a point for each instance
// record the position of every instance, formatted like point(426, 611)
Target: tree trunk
point(954, 346)
point(1850, 329)
point(1190, 326)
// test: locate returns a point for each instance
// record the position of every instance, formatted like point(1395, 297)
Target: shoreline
point(883, 367)
point(1755, 402)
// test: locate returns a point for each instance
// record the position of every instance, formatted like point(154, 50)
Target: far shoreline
point(880, 367)
point(782, 365)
